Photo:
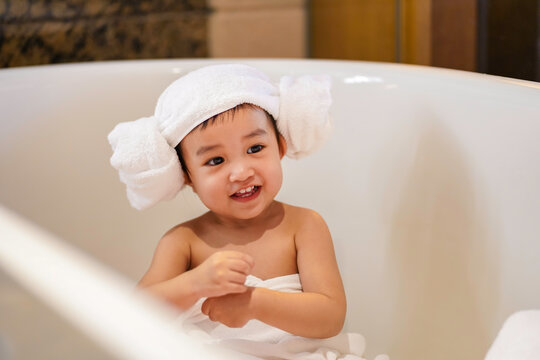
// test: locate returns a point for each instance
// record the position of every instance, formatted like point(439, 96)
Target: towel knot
point(146, 163)
point(304, 119)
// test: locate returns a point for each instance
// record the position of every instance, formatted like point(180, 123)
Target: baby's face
point(235, 164)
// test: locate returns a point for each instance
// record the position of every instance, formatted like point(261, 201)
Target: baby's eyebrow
point(256, 132)
point(205, 149)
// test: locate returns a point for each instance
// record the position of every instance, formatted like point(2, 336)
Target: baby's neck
point(270, 218)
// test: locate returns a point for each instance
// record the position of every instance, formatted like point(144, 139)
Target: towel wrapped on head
point(144, 149)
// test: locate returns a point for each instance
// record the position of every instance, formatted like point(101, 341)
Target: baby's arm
point(318, 312)
point(169, 278)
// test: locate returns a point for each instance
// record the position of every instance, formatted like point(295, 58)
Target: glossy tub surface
point(430, 186)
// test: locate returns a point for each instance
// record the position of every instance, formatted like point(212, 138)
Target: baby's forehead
point(240, 117)
point(246, 120)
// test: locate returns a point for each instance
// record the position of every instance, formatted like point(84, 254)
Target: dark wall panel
point(57, 31)
point(509, 38)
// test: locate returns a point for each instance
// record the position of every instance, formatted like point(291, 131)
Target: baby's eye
point(255, 149)
point(214, 161)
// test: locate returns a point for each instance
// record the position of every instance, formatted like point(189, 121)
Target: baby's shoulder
point(309, 227)
point(302, 216)
point(180, 235)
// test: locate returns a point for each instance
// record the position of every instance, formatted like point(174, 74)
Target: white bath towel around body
point(257, 340)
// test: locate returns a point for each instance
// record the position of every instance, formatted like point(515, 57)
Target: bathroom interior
point(487, 248)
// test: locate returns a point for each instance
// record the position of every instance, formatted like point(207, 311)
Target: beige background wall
point(251, 28)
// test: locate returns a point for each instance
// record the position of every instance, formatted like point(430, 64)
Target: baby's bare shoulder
point(303, 217)
point(179, 236)
point(309, 228)
point(172, 255)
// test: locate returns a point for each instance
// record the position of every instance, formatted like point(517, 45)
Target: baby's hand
point(223, 273)
point(233, 310)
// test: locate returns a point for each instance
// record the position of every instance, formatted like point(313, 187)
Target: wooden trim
point(454, 34)
point(431, 32)
point(353, 29)
point(416, 31)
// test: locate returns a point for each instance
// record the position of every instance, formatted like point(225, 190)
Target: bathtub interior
point(429, 185)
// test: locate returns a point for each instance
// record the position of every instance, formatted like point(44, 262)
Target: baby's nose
point(241, 171)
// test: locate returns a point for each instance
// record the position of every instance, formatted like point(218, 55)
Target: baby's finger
point(205, 308)
point(240, 266)
point(208, 310)
point(231, 254)
point(236, 288)
point(237, 278)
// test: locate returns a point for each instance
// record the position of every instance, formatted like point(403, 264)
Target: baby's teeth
point(246, 190)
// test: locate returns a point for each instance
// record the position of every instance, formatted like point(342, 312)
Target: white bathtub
point(430, 186)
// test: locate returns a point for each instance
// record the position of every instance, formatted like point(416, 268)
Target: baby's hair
point(220, 117)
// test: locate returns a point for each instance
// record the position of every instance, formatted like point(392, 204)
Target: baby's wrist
point(194, 285)
point(255, 308)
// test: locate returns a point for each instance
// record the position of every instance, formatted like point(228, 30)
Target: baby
point(252, 270)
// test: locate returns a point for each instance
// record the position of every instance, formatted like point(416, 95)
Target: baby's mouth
point(246, 192)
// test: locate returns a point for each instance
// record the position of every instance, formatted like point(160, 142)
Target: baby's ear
point(187, 179)
point(282, 146)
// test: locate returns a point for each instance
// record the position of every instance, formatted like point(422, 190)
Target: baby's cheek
point(211, 189)
point(275, 176)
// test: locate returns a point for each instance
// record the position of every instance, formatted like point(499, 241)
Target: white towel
point(143, 150)
point(148, 178)
point(194, 320)
point(261, 341)
point(518, 339)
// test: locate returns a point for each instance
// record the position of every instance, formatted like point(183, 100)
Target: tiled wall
point(56, 31)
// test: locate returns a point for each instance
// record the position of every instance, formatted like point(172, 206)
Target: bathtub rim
point(136, 63)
